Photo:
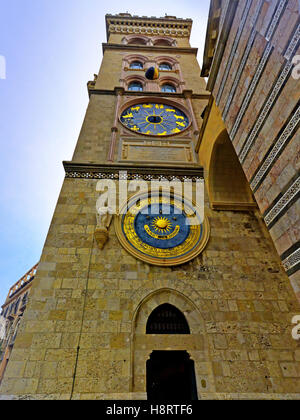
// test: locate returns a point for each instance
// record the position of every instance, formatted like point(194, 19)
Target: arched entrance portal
point(170, 374)
point(168, 328)
point(171, 377)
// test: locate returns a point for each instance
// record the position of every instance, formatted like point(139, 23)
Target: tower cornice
point(146, 171)
point(173, 50)
point(124, 23)
point(92, 91)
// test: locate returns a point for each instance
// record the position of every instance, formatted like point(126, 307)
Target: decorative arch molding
point(196, 344)
point(128, 59)
point(173, 297)
point(134, 78)
point(167, 40)
point(166, 59)
point(173, 63)
point(172, 81)
point(143, 40)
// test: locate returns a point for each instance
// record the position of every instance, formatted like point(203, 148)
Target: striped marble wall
point(257, 89)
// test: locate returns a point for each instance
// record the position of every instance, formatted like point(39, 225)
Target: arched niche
point(228, 187)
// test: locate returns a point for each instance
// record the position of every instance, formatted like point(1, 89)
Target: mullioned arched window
point(167, 319)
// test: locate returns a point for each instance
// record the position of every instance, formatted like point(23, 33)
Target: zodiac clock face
point(154, 119)
point(160, 230)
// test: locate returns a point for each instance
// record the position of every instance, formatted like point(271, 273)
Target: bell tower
point(153, 295)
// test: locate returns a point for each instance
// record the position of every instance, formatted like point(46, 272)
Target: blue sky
point(51, 48)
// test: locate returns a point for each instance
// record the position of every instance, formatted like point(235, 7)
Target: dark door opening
point(171, 377)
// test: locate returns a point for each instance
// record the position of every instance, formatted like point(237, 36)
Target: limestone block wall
point(83, 333)
point(257, 92)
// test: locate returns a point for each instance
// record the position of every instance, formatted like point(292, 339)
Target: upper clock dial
point(154, 119)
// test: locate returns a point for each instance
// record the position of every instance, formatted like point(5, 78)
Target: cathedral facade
point(138, 304)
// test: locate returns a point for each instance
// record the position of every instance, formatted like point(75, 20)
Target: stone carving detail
point(104, 219)
point(149, 31)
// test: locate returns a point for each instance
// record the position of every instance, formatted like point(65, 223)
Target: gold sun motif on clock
point(162, 224)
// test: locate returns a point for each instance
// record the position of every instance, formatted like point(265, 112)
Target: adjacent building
point(251, 50)
point(11, 313)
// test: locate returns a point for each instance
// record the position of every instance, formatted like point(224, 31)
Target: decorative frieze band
point(265, 111)
point(234, 49)
point(292, 260)
point(282, 204)
point(269, 34)
point(281, 142)
point(121, 172)
point(130, 177)
point(124, 29)
point(251, 89)
point(243, 62)
point(275, 19)
point(293, 44)
point(223, 15)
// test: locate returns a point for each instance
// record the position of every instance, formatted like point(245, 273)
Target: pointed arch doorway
point(167, 320)
point(170, 373)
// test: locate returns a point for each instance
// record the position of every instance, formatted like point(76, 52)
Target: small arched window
point(165, 66)
point(163, 43)
point(136, 65)
point(135, 86)
point(137, 41)
point(168, 88)
point(167, 319)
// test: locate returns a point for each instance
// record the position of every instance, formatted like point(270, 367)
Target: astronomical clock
point(162, 230)
point(154, 119)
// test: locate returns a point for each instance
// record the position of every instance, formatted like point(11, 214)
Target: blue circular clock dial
point(154, 119)
point(162, 227)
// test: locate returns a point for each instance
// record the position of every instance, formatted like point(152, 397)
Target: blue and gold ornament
point(152, 73)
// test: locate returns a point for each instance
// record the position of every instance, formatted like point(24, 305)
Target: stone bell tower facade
point(137, 305)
